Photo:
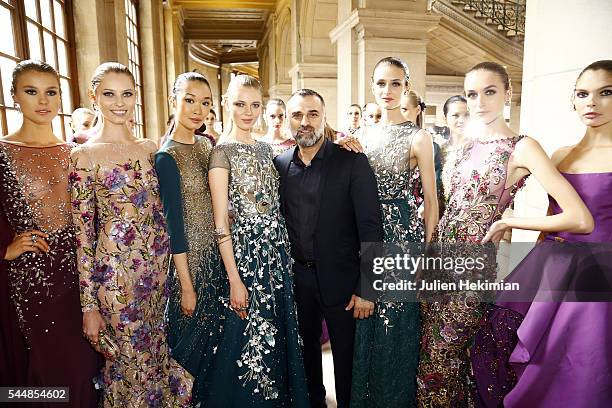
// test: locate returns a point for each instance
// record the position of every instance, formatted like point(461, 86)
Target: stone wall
point(100, 34)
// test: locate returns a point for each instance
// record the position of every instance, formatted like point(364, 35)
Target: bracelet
point(224, 239)
point(220, 234)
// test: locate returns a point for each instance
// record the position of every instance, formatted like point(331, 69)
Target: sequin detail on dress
point(183, 175)
point(43, 287)
point(478, 197)
point(387, 344)
point(36, 196)
point(258, 361)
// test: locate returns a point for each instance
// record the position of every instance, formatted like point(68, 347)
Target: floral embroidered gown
point(478, 197)
point(183, 177)
point(258, 360)
point(123, 259)
point(41, 321)
point(387, 344)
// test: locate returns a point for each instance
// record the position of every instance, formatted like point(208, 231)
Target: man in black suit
point(330, 203)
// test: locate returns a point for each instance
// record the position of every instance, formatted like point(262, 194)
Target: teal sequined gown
point(257, 361)
point(182, 170)
point(387, 344)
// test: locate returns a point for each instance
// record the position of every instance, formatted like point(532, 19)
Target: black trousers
point(341, 327)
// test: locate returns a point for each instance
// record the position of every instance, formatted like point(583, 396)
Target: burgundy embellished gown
point(41, 321)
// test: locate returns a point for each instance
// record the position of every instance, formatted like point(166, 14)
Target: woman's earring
point(16, 106)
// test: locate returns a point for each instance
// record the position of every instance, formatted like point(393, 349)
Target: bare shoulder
point(423, 136)
point(560, 154)
point(528, 146)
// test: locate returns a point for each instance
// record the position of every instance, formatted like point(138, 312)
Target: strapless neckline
point(603, 173)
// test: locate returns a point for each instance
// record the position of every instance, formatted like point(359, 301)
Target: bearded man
point(330, 202)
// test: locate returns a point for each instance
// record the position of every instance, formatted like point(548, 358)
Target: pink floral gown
point(478, 197)
point(123, 259)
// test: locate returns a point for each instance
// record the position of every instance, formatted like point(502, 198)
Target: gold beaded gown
point(183, 177)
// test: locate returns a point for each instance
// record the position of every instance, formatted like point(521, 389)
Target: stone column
point(175, 48)
point(120, 52)
point(88, 43)
point(282, 91)
point(101, 37)
point(439, 89)
point(322, 78)
point(549, 74)
point(378, 29)
point(154, 67)
point(226, 76)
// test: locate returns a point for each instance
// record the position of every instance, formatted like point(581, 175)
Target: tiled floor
point(328, 376)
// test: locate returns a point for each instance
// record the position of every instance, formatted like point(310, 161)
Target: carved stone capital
point(387, 24)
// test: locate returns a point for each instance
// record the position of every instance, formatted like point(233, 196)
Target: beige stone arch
point(313, 55)
point(316, 19)
point(283, 49)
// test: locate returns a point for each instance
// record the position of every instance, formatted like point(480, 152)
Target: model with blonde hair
point(123, 252)
point(258, 361)
point(277, 136)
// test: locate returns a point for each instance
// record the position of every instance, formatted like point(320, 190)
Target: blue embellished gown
point(258, 360)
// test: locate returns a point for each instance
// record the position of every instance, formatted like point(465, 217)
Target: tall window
point(35, 29)
point(131, 25)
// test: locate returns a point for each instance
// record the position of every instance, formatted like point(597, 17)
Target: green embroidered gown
point(387, 344)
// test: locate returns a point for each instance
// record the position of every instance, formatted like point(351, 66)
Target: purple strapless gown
point(563, 357)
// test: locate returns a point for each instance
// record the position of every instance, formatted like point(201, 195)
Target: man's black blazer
point(348, 214)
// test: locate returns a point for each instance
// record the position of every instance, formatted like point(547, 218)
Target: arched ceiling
point(212, 26)
point(224, 31)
